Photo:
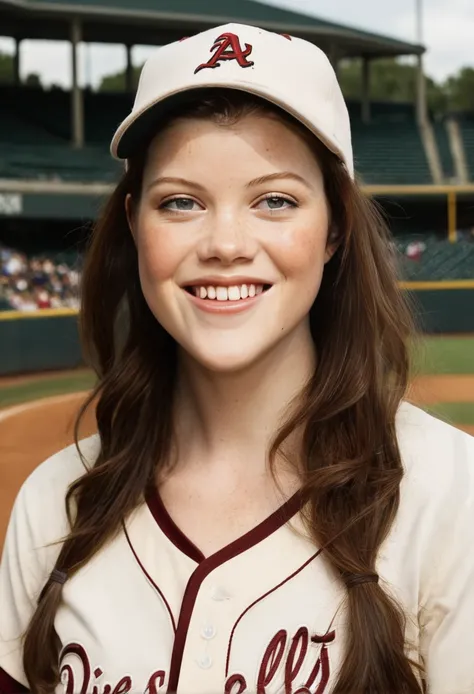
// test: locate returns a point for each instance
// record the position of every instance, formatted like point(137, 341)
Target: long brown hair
point(360, 325)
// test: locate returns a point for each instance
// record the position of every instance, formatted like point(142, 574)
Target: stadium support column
point(421, 102)
point(366, 65)
point(452, 216)
point(77, 101)
point(16, 62)
point(425, 128)
point(421, 105)
point(129, 70)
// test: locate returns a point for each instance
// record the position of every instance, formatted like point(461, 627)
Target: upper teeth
point(233, 293)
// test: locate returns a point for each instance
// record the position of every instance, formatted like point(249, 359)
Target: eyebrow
point(176, 180)
point(277, 177)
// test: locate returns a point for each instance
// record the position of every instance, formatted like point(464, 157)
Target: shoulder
point(37, 526)
point(40, 505)
point(438, 461)
point(64, 467)
point(431, 446)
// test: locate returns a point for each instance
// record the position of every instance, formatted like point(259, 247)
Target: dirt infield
point(432, 389)
point(31, 433)
point(42, 376)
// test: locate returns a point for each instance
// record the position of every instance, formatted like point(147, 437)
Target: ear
point(130, 212)
point(332, 243)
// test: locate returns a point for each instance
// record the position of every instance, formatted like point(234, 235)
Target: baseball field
point(37, 411)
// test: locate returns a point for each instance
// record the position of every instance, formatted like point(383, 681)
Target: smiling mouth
point(232, 293)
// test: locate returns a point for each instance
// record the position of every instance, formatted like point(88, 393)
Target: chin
point(231, 360)
point(226, 364)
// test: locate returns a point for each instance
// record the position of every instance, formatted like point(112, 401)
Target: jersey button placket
point(205, 661)
point(208, 632)
point(208, 629)
point(219, 594)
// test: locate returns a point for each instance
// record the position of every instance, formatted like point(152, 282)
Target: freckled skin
point(232, 230)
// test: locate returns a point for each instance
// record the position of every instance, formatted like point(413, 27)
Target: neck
point(234, 416)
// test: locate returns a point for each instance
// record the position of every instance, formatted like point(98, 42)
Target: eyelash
point(163, 205)
point(269, 196)
point(279, 196)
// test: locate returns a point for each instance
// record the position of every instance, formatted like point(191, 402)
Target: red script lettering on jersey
point(123, 686)
point(293, 654)
point(227, 47)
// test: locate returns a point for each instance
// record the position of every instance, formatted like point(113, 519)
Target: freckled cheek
point(300, 250)
point(160, 253)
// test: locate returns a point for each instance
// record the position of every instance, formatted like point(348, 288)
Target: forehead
point(254, 141)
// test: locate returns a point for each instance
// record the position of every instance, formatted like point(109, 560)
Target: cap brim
point(138, 128)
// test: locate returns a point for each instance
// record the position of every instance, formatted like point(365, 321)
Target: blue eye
point(179, 205)
point(277, 202)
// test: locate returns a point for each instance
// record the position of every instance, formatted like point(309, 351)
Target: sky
point(448, 34)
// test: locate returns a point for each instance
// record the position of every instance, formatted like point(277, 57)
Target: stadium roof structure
point(155, 22)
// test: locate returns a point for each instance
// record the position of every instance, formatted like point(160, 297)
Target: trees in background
point(116, 81)
point(391, 80)
point(7, 72)
point(6, 68)
point(460, 90)
point(395, 80)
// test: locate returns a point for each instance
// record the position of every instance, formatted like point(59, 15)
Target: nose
point(227, 240)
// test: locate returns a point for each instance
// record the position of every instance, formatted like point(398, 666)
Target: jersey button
point(219, 593)
point(208, 632)
point(205, 662)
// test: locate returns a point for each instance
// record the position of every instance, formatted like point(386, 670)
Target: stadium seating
point(35, 136)
point(467, 129)
point(440, 259)
point(33, 115)
point(57, 162)
point(33, 111)
point(390, 153)
point(15, 128)
point(444, 149)
point(103, 112)
point(389, 149)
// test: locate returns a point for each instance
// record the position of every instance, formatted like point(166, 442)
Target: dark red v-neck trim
point(264, 529)
point(169, 527)
point(10, 686)
point(208, 564)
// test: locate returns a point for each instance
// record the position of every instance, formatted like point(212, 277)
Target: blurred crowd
point(31, 283)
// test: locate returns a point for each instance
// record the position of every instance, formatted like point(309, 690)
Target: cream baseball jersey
point(264, 614)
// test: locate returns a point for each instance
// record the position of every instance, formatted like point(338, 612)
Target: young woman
point(261, 510)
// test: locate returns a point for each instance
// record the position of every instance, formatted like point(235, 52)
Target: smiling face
point(231, 231)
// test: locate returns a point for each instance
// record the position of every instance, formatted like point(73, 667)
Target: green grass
point(43, 388)
point(453, 412)
point(444, 355)
point(430, 355)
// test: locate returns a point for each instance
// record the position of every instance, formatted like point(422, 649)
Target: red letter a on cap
point(227, 47)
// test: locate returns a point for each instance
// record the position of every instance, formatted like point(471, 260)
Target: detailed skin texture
point(220, 224)
point(251, 209)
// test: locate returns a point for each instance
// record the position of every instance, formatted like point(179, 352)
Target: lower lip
point(226, 307)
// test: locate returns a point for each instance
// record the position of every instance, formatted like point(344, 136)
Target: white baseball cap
point(286, 71)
